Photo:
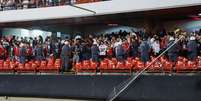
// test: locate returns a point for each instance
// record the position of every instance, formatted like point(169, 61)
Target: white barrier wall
point(106, 7)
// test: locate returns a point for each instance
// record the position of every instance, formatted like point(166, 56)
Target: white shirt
point(102, 49)
point(156, 47)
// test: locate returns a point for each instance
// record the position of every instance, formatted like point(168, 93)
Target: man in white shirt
point(102, 48)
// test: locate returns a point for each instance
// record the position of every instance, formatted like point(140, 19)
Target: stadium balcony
point(82, 8)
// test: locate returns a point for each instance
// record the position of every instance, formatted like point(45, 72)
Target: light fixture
point(199, 14)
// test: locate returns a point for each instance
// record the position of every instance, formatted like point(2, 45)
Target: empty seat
point(13, 64)
point(167, 66)
point(6, 66)
point(112, 64)
point(139, 66)
point(86, 64)
point(94, 65)
point(43, 66)
point(120, 65)
point(180, 66)
point(129, 59)
point(103, 65)
point(20, 66)
point(198, 65)
point(128, 64)
point(191, 65)
point(157, 66)
point(1, 64)
point(150, 66)
point(114, 60)
point(57, 64)
point(78, 65)
point(50, 63)
point(37, 63)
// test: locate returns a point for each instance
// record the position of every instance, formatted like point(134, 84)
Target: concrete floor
point(36, 99)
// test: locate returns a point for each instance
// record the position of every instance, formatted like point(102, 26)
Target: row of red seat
point(129, 65)
point(50, 65)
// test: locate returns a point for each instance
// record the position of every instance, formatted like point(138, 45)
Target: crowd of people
point(97, 47)
point(24, 4)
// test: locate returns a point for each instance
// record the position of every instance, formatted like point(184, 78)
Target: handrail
point(83, 8)
point(133, 78)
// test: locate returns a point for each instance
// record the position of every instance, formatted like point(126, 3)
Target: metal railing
point(123, 86)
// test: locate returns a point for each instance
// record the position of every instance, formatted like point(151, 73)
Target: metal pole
point(136, 76)
point(73, 5)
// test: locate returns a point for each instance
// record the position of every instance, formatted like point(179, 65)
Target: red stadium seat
point(134, 62)
point(129, 59)
point(78, 66)
point(43, 66)
point(112, 64)
point(198, 65)
point(180, 66)
point(13, 64)
point(103, 65)
point(167, 66)
point(120, 65)
point(1, 64)
point(37, 63)
point(139, 66)
point(191, 65)
point(6, 66)
point(94, 65)
point(86, 64)
point(114, 60)
point(106, 60)
point(128, 64)
point(50, 63)
point(157, 66)
point(151, 67)
point(19, 67)
point(163, 59)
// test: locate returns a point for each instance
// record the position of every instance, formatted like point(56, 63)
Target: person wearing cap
point(65, 56)
point(95, 51)
point(192, 48)
point(173, 51)
point(22, 55)
point(144, 50)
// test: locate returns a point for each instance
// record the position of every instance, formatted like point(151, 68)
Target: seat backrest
point(103, 64)
point(21, 66)
point(1, 63)
point(120, 65)
point(78, 65)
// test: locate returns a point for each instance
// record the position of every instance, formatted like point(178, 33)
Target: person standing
point(65, 56)
point(39, 52)
point(22, 54)
point(144, 49)
point(192, 48)
point(134, 47)
point(173, 51)
point(119, 51)
point(102, 48)
point(95, 52)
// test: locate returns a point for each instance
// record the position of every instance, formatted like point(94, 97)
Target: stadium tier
point(111, 50)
